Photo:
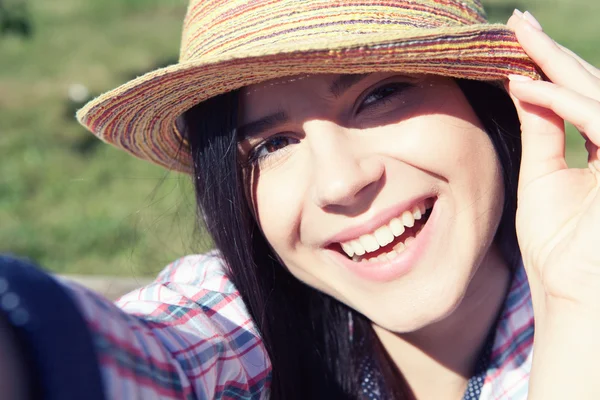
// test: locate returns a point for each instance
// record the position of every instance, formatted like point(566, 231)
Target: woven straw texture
point(229, 44)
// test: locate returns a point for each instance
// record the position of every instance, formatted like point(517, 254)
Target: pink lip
point(377, 221)
point(384, 271)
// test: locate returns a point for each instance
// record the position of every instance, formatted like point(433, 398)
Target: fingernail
point(518, 13)
point(527, 16)
point(519, 78)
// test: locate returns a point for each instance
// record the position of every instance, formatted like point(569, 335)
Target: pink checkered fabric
point(188, 335)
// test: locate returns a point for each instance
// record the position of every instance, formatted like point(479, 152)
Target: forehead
point(271, 83)
point(281, 93)
point(331, 81)
point(336, 84)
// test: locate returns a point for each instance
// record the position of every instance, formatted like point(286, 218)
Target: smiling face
point(380, 190)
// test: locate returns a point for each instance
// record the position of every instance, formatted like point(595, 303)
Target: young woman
point(383, 231)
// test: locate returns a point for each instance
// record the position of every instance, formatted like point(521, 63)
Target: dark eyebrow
point(345, 82)
point(256, 127)
point(337, 88)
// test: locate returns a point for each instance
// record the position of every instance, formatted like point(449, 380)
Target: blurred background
point(77, 206)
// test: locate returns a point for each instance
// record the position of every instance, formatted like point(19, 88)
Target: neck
point(446, 352)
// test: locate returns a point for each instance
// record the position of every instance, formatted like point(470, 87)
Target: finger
point(542, 138)
point(515, 18)
point(512, 21)
point(558, 65)
point(579, 110)
point(589, 67)
point(593, 156)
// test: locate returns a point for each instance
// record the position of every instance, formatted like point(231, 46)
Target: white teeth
point(392, 254)
point(348, 249)
point(369, 242)
point(400, 247)
point(359, 250)
point(384, 236)
point(416, 213)
point(407, 219)
point(397, 227)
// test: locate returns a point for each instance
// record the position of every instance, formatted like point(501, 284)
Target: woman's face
point(381, 190)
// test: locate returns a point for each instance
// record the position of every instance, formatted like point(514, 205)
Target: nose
point(344, 174)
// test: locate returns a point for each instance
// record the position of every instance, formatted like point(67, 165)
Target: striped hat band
point(229, 44)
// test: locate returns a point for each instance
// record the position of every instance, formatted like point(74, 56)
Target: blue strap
point(54, 337)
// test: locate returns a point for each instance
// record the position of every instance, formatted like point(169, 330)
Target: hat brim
point(139, 116)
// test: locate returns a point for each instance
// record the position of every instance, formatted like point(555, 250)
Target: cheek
point(281, 195)
point(442, 145)
point(453, 150)
point(278, 202)
point(471, 166)
point(461, 162)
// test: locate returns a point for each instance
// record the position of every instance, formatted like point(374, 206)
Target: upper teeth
point(385, 234)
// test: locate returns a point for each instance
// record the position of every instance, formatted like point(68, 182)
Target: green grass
point(78, 207)
point(71, 205)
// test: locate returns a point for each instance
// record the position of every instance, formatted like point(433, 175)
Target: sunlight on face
point(381, 190)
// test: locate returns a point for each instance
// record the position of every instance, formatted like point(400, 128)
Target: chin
point(419, 314)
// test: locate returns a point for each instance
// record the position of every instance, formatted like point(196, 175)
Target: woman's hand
point(558, 216)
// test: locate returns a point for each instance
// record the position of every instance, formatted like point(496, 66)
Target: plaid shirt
point(188, 335)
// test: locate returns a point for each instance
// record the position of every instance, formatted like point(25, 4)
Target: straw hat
point(228, 44)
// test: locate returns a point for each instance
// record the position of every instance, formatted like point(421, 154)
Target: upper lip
point(378, 220)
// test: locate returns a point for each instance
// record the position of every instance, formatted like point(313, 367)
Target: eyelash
point(255, 158)
point(398, 87)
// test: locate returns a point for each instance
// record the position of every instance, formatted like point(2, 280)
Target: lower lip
point(384, 271)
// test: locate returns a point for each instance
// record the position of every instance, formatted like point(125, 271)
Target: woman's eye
point(269, 147)
point(382, 94)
